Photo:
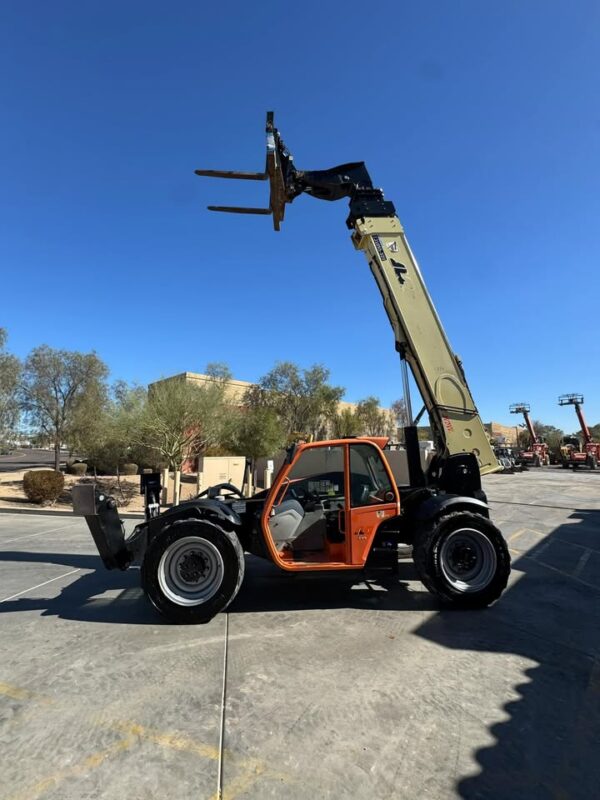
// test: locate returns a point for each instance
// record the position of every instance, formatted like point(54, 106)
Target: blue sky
point(481, 121)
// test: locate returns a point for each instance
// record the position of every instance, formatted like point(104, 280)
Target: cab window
point(318, 475)
point(369, 480)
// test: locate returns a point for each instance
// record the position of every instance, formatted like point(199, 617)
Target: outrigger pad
point(84, 499)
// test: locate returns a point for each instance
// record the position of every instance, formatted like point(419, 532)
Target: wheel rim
point(190, 571)
point(468, 560)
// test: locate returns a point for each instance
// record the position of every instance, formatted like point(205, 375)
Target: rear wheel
point(463, 559)
point(192, 570)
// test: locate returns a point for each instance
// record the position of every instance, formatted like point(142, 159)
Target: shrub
point(43, 486)
point(78, 468)
point(128, 469)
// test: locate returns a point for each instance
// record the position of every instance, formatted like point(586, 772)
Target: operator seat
point(292, 525)
point(285, 522)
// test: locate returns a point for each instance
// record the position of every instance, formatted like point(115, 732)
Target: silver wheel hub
point(190, 571)
point(468, 560)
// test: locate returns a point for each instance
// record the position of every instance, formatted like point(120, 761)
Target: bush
point(77, 468)
point(128, 469)
point(43, 486)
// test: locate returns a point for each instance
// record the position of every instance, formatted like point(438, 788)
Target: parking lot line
point(92, 761)
point(223, 702)
point(171, 741)
point(31, 588)
point(42, 533)
point(17, 693)
point(583, 559)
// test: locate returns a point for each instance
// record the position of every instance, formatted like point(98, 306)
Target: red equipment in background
point(590, 455)
point(537, 453)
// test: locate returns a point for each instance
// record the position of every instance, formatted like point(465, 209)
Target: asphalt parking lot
point(328, 690)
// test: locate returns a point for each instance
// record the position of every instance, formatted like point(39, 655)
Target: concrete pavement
point(319, 688)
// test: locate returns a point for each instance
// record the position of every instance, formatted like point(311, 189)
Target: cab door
point(305, 516)
point(373, 497)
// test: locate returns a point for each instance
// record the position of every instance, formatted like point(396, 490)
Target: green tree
point(303, 399)
point(400, 417)
point(10, 372)
point(550, 434)
point(181, 419)
point(595, 432)
point(374, 421)
point(346, 423)
point(110, 438)
point(256, 432)
point(57, 385)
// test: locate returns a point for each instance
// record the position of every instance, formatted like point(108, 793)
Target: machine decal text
point(379, 247)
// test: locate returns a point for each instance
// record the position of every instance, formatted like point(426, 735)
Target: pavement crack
point(219, 793)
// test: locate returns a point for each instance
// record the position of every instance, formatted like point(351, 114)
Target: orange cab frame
point(358, 524)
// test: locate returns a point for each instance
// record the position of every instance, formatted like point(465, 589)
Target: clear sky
point(480, 120)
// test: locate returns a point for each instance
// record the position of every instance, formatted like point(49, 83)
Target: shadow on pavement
point(268, 589)
point(546, 749)
point(549, 747)
point(264, 589)
point(82, 599)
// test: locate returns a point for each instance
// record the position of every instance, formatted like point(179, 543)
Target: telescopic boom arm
point(524, 408)
point(577, 401)
point(377, 231)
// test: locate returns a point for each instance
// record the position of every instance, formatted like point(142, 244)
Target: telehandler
point(577, 457)
point(334, 506)
point(536, 455)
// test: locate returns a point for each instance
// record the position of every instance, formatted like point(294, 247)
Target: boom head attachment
point(570, 400)
point(520, 408)
point(286, 183)
point(277, 171)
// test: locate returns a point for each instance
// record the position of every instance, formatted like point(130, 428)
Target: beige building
point(502, 434)
point(235, 389)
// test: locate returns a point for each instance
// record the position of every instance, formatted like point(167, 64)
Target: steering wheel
point(214, 491)
point(305, 497)
point(298, 493)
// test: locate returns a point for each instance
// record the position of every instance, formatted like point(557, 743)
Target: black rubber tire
point(231, 553)
point(426, 554)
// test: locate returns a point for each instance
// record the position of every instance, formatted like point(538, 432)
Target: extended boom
point(418, 331)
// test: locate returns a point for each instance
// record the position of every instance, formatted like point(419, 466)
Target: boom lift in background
point(537, 454)
point(334, 506)
point(589, 456)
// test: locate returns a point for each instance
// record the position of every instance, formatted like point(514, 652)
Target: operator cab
point(327, 504)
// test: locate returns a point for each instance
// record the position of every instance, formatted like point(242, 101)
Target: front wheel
point(463, 559)
point(192, 570)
